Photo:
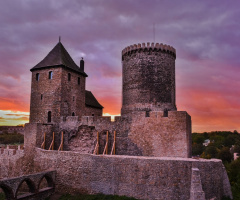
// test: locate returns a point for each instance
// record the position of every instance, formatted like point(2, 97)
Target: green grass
point(2, 196)
point(94, 197)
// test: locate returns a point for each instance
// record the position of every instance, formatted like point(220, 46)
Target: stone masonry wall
point(148, 79)
point(73, 94)
point(90, 111)
point(139, 177)
point(50, 89)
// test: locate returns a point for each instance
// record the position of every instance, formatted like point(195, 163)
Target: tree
point(197, 149)
point(225, 155)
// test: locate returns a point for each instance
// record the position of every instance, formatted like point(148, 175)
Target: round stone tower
point(148, 78)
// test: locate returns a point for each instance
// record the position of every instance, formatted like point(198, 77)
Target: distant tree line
point(11, 138)
point(223, 144)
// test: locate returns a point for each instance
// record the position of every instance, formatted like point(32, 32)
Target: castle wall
point(73, 94)
point(161, 136)
point(90, 111)
point(139, 177)
point(148, 78)
point(50, 89)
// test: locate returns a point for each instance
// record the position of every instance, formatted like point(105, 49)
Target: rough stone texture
point(60, 96)
point(148, 80)
point(137, 134)
point(196, 192)
point(90, 111)
point(140, 177)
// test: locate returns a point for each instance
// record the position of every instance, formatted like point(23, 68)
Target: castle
point(144, 153)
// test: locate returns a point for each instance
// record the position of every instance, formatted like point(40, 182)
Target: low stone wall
point(139, 177)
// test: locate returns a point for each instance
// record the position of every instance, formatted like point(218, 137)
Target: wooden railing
point(44, 141)
point(52, 144)
point(61, 145)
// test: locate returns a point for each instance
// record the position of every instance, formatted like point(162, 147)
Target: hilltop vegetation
point(11, 138)
point(222, 146)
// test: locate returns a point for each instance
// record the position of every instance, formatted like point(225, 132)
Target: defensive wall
point(137, 176)
point(139, 134)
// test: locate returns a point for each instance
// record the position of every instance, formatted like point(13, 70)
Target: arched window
point(73, 114)
point(49, 116)
point(50, 75)
point(69, 77)
point(37, 76)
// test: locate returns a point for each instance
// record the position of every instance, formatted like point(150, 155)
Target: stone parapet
point(145, 47)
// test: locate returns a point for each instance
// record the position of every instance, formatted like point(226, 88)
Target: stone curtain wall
point(139, 177)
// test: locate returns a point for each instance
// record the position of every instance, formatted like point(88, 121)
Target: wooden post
point(107, 143)
point(44, 140)
point(53, 142)
point(114, 143)
point(62, 141)
point(97, 143)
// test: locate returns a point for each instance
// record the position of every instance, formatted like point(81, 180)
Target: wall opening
point(73, 98)
point(147, 114)
point(69, 77)
point(49, 116)
point(25, 187)
point(73, 114)
point(50, 75)
point(165, 113)
point(78, 80)
point(37, 77)
point(41, 96)
point(92, 114)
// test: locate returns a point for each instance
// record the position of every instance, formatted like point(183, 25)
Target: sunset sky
point(205, 34)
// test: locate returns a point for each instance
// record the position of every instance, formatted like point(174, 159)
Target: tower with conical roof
point(58, 89)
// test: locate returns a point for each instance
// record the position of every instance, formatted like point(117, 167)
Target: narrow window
point(69, 77)
point(147, 113)
point(41, 96)
point(37, 77)
point(165, 113)
point(49, 116)
point(50, 75)
point(78, 80)
point(73, 114)
point(73, 98)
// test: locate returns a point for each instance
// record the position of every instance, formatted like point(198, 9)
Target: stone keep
point(58, 89)
point(148, 78)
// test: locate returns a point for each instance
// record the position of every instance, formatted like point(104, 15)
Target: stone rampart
point(139, 177)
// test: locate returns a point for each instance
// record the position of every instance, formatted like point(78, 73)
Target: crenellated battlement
point(11, 152)
point(145, 47)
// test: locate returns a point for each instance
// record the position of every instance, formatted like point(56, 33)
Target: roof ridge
point(59, 56)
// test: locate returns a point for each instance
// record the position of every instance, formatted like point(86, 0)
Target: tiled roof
point(91, 101)
point(59, 57)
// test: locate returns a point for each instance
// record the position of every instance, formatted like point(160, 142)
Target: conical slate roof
point(91, 101)
point(59, 57)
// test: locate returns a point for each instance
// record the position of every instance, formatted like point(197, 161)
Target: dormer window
point(37, 77)
point(69, 77)
point(50, 75)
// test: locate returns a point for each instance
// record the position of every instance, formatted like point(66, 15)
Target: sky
point(205, 34)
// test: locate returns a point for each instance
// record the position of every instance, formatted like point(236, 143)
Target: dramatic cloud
point(206, 35)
